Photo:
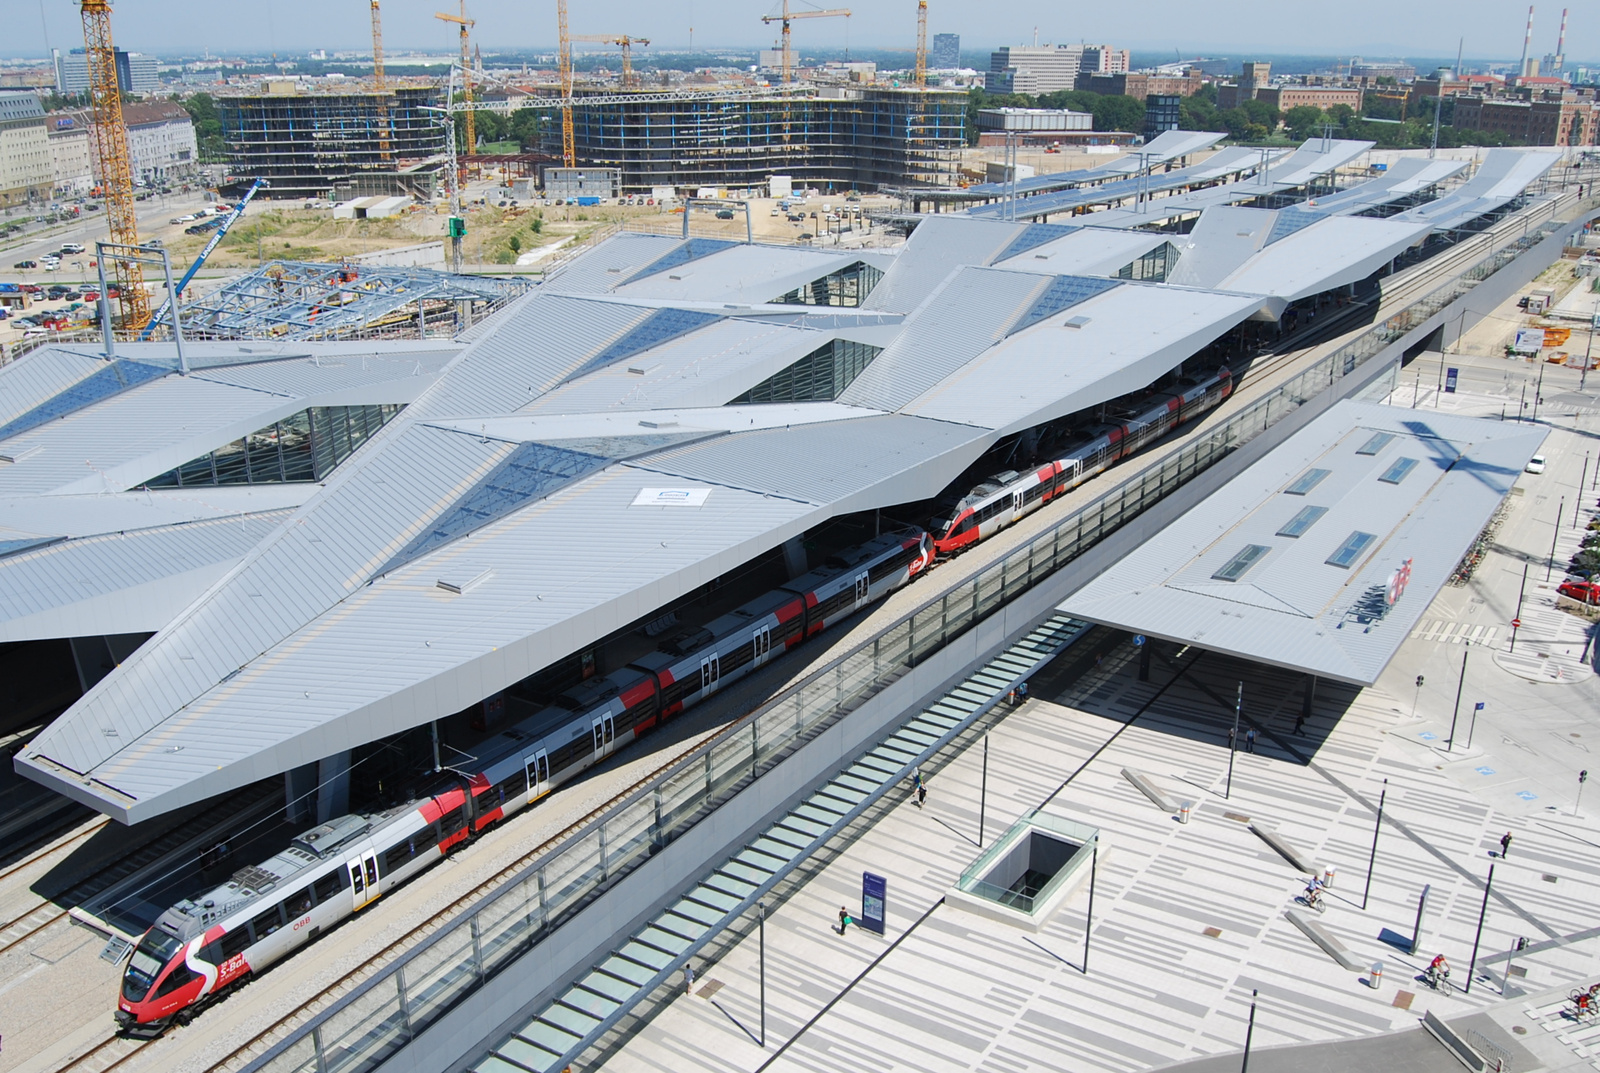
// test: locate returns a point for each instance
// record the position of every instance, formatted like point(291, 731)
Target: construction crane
point(466, 73)
point(569, 152)
point(627, 42)
point(786, 18)
point(109, 142)
point(920, 76)
point(216, 237)
point(379, 84)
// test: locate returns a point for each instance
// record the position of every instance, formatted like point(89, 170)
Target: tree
point(527, 127)
point(1303, 121)
point(1118, 113)
point(1261, 114)
point(1341, 115)
point(207, 127)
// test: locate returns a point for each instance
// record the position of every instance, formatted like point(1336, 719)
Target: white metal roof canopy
point(1321, 556)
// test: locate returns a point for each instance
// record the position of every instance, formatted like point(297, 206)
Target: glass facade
point(820, 376)
point(305, 447)
point(1153, 266)
point(847, 287)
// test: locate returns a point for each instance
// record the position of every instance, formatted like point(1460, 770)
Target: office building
point(136, 73)
point(71, 165)
point(25, 173)
point(1039, 69)
point(161, 141)
point(946, 52)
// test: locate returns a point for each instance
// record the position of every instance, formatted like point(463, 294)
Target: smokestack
point(1561, 41)
point(1527, 41)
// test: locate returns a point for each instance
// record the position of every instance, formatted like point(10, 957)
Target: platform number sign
point(874, 901)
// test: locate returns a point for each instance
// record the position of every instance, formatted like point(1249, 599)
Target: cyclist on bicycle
point(1438, 969)
point(1313, 892)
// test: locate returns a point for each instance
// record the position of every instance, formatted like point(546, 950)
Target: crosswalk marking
point(1447, 632)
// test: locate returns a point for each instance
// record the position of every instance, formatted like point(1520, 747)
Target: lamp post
point(1416, 697)
point(1249, 1030)
point(763, 937)
point(1472, 967)
point(1450, 742)
point(1372, 861)
point(1555, 532)
point(1583, 777)
point(1233, 740)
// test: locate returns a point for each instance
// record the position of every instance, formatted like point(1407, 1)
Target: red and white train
point(1007, 498)
point(265, 912)
point(198, 948)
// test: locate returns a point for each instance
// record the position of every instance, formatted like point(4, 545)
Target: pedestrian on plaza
point(1505, 845)
point(688, 979)
point(922, 793)
point(844, 919)
point(1250, 740)
point(917, 790)
point(1232, 733)
point(1300, 725)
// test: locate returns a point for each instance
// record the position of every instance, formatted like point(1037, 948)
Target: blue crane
point(227, 222)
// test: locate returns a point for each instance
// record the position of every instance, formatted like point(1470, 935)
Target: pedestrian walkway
point(1451, 633)
point(1188, 918)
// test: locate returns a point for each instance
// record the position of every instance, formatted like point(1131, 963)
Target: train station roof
point(488, 519)
point(1321, 556)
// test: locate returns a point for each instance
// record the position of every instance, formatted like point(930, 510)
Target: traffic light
point(458, 227)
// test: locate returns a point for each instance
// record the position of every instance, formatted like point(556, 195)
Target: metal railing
point(974, 878)
point(359, 1031)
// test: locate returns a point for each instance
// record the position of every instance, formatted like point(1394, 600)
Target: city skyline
point(189, 26)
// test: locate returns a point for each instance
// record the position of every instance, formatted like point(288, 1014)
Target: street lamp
point(1416, 696)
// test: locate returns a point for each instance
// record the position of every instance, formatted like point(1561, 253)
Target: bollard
point(1328, 874)
point(1184, 810)
point(1375, 975)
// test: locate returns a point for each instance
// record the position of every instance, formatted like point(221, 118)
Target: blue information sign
point(874, 899)
point(1450, 380)
point(1138, 639)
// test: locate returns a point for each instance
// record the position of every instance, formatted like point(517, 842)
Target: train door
point(538, 775)
point(1016, 505)
point(605, 735)
point(363, 871)
point(760, 645)
point(863, 584)
point(710, 673)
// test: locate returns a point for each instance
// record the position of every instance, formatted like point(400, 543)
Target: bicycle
point(1437, 978)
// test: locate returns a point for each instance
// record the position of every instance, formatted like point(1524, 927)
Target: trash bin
point(1184, 810)
point(1375, 975)
point(1328, 874)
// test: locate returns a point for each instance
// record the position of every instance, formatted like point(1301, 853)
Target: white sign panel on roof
point(671, 497)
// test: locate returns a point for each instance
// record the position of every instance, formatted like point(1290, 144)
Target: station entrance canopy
point(1321, 556)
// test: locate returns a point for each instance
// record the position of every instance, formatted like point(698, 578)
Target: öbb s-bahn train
point(1007, 498)
point(197, 948)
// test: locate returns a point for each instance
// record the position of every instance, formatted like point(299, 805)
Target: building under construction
point(834, 137)
point(342, 144)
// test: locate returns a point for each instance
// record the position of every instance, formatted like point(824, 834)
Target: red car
point(1585, 591)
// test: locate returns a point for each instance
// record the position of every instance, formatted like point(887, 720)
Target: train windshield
point(151, 956)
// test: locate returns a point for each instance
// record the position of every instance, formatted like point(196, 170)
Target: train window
point(398, 855)
point(267, 922)
point(179, 976)
point(298, 904)
point(231, 943)
point(328, 885)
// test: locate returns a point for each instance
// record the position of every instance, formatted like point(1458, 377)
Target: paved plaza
point(1189, 920)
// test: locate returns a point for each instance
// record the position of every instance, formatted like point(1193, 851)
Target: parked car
point(26, 264)
point(1586, 591)
point(70, 248)
point(724, 214)
point(1535, 464)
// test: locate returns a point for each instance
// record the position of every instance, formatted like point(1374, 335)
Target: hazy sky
point(1374, 28)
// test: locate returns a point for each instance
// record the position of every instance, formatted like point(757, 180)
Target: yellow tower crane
point(569, 152)
point(466, 74)
point(380, 85)
point(627, 42)
point(786, 17)
point(109, 142)
point(920, 76)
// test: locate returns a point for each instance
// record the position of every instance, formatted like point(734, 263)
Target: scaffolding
point(306, 300)
point(322, 144)
point(847, 138)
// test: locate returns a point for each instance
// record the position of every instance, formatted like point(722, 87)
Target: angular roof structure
point(1321, 556)
point(335, 542)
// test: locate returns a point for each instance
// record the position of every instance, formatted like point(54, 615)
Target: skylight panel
point(1379, 441)
point(1307, 481)
point(1354, 545)
point(1398, 471)
point(1305, 519)
point(1236, 567)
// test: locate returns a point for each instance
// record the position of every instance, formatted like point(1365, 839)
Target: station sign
point(874, 902)
point(1397, 583)
point(1450, 380)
